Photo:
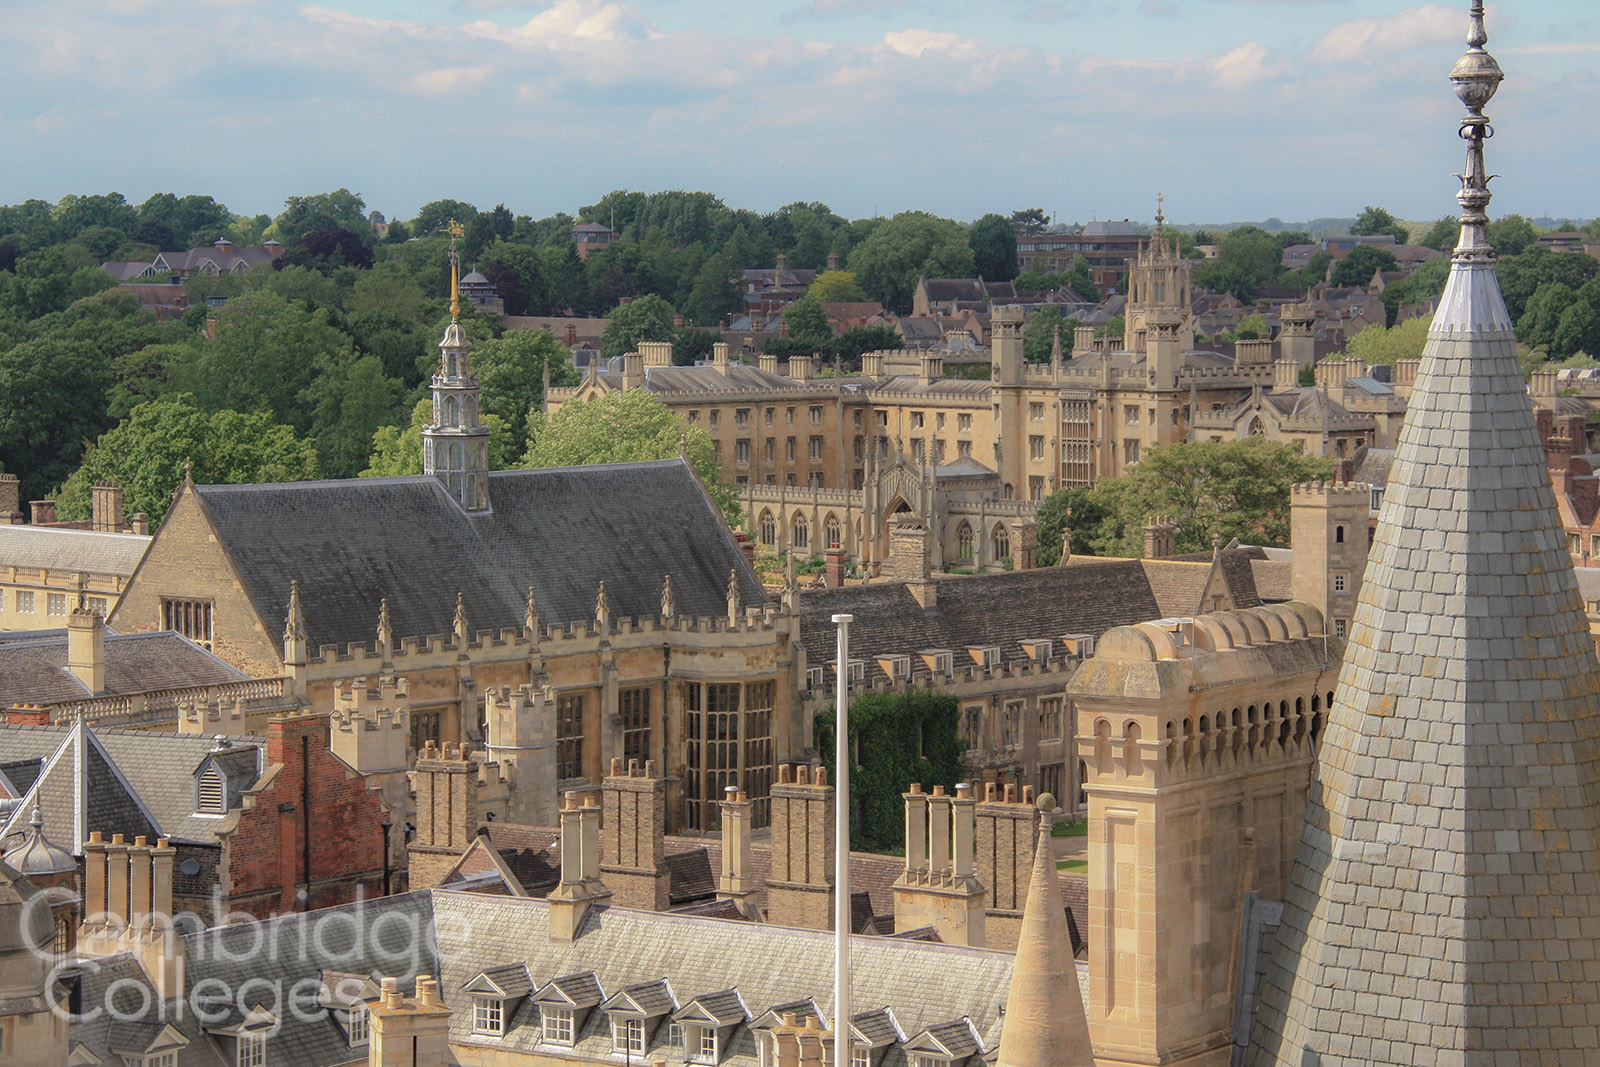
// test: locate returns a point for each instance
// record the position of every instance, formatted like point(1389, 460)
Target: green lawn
point(1070, 829)
point(1073, 865)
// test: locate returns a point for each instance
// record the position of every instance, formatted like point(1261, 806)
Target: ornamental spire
point(733, 594)
point(460, 622)
point(294, 622)
point(530, 616)
point(385, 628)
point(1476, 78)
point(602, 609)
point(669, 604)
point(455, 230)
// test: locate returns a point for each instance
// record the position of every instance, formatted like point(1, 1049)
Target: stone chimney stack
point(128, 907)
point(86, 649)
point(580, 885)
point(1252, 352)
point(1006, 843)
point(932, 368)
point(1285, 375)
point(737, 882)
point(1158, 539)
point(140, 524)
point(1297, 340)
point(408, 1032)
point(833, 261)
point(1024, 545)
point(800, 885)
point(939, 887)
point(44, 511)
point(872, 364)
point(1082, 340)
point(634, 798)
point(656, 353)
point(106, 507)
point(783, 266)
point(719, 357)
point(446, 784)
point(768, 362)
point(908, 559)
point(10, 500)
point(632, 371)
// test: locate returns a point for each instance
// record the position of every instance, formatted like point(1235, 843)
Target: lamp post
point(841, 852)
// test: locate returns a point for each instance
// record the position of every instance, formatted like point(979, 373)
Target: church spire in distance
point(455, 445)
point(1448, 874)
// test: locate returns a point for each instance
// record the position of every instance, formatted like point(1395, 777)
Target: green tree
point(328, 249)
point(1420, 286)
point(1039, 336)
point(807, 323)
point(510, 373)
point(1512, 235)
point(440, 213)
point(1248, 259)
point(626, 427)
point(912, 244)
point(1030, 220)
point(146, 374)
point(518, 273)
point(1521, 276)
point(1356, 269)
point(146, 453)
point(1578, 331)
point(192, 220)
point(1077, 510)
point(1375, 220)
point(648, 318)
point(993, 240)
point(1537, 327)
point(349, 399)
point(74, 214)
point(714, 297)
point(1250, 327)
point(397, 451)
point(55, 400)
point(1375, 344)
point(901, 738)
point(340, 209)
point(849, 345)
point(1442, 234)
point(836, 287)
point(1211, 489)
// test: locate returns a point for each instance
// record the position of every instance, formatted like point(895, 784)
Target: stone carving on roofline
point(734, 607)
point(530, 617)
point(602, 609)
point(669, 606)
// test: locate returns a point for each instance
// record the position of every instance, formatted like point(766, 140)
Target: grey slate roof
point(58, 549)
point(1086, 596)
point(33, 668)
point(1444, 899)
point(136, 782)
point(562, 530)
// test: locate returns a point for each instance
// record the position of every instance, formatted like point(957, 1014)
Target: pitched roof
point(33, 667)
point(563, 530)
point(1460, 743)
point(57, 549)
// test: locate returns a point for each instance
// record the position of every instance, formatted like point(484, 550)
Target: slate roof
point(136, 782)
point(924, 983)
point(1086, 596)
point(675, 380)
point(563, 530)
point(33, 668)
point(57, 549)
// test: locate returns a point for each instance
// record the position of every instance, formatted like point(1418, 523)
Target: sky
point(1232, 109)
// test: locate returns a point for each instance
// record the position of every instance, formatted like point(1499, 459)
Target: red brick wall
point(265, 857)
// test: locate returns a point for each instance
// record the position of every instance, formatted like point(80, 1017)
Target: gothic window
point(758, 701)
point(1036, 447)
point(1036, 488)
point(635, 708)
point(972, 726)
point(768, 451)
point(569, 736)
point(769, 529)
point(1130, 451)
point(964, 541)
point(816, 416)
point(1050, 719)
point(963, 423)
point(424, 728)
point(833, 532)
point(1256, 428)
point(741, 451)
point(816, 448)
point(1000, 543)
point(800, 540)
point(452, 415)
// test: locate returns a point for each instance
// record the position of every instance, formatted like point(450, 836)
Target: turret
point(455, 445)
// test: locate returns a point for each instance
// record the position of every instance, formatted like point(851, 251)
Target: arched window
point(452, 414)
point(1000, 542)
point(1256, 428)
point(834, 534)
point(1338, 535)
point(801, 538)
point(769, 529)
point(964, 540)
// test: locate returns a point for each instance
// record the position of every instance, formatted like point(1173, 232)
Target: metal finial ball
point(1476, 77)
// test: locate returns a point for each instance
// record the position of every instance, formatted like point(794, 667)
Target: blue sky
point(1235, 109)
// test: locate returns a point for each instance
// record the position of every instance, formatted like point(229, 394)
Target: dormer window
point(359, 1026)
point(251, 1051)
point(860, 1056)
point(557, 1025)
point(488, 1016)
point(706, 1047)
point(814, 678)
point(627, 1036)
point(211, 792)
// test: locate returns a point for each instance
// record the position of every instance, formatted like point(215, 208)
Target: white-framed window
point(488, 1016)
point(923, 1059)
point(1338, 627)
point(675, 1035)
point(1338, 582)
point(708, 1045)
point(162, 1059)
point(360, 1025)
point(251, 1052)
point(24, 602)
point(860, 1056)
point(558, 1025)
point(97, 604)
point(627, 1035)
point(56, 603)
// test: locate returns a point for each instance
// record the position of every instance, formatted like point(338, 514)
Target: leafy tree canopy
point(1520, 276)
point(1030, 220)
point(836, 286)
point(1376, 344)
point(340, 209)
point(145, 455)
point(912, 244)
point(1039, 336)
point(1512, 235)
point(1442, 235)
point(648, 318)
point(807, 323)
point(1248, 259)
point(1375, 220)
point(510, 373)
point(1358, 267)
point(626, 427)
point(993, 240)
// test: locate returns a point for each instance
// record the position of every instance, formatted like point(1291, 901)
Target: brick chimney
point(833, 571)
point(908, 559)
point(106, 507)
point(10, 500)
point(633, 849)
point(1007, 840)
point(1158, 539)
point(446, 784)
point(44, 511)
point(800, 885)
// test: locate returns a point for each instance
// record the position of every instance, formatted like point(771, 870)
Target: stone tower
point(455, 445)
point(1159, 324)
point(1197, 735)
point(1443, 900)
point(1328, 531)
point(1297, 336)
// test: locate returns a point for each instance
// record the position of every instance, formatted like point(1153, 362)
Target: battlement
point(1332, 493)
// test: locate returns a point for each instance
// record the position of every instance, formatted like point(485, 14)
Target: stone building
point(616, 590)
point(45, 568)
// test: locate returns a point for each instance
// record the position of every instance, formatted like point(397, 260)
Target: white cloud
point(918, 42)
point(1371, 39)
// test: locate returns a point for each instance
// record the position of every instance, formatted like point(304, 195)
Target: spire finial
point(602, 608)
point(294, 622)
point(669, 604)
point(1161, 216)
point(385, 629)
point(1476, 77)
point(188, 472)
point(460, 622)
point(530, 615)
point(455, 230)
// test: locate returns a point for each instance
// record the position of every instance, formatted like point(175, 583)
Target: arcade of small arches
point(1221, 738)
point(965, 542)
